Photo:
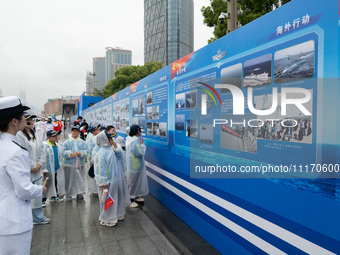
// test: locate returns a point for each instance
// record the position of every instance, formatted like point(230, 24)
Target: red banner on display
point(179, 64)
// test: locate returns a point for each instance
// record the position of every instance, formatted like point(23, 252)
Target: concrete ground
point(148, 229)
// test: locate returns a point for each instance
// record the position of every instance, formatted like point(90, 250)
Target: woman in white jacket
point(40, 129)
point(16, 189)
point(136, 171)
point(36, 153)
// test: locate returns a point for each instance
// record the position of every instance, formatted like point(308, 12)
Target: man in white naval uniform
point(16, 189)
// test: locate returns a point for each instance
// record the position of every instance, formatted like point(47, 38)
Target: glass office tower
point(116, 58)
point(168, 30)
point(99, 70)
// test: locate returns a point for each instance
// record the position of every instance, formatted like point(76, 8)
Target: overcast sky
point(46, 46)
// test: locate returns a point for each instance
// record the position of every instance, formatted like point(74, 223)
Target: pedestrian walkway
point(148, 229)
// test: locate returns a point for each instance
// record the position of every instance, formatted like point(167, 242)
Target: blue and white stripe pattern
point(279, 240)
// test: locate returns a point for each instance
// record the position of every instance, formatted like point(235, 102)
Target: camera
point(222, 17)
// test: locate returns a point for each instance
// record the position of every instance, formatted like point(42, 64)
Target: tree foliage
point(252, 9)
point(99, 93)
point(128, 75)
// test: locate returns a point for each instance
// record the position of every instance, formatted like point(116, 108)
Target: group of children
point(118, 170)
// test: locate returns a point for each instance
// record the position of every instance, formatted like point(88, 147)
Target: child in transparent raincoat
point(136, 171)
point(108, 176)
point(75, 152)
point(54, 158)
point(121, 158)
point(92, 132)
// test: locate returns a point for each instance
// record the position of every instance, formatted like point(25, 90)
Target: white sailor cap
point(11, 106)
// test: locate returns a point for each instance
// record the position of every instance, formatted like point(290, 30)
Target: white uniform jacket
point(16, 189)
point(37, 155)
point(35, 150)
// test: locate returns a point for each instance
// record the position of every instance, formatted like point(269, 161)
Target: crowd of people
point(291, 130)
point(31, 151)
point(41, 126)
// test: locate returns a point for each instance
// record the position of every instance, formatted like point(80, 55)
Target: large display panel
point(283, 132)
point(263, 98)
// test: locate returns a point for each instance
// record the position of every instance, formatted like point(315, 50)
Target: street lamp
point(93, 74)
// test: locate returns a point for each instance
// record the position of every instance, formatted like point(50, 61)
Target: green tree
point(99, 93)
point(252, 9)
point(128, 75)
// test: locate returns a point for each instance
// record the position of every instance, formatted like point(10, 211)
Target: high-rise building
point(99, 70)
point(115, 59)
point(168, 30)
point(89, 82)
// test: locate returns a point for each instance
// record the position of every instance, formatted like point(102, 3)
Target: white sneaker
point(56, 199)
point(139, 199)
point(60, 200)
point(111, 224)
point(121, 218)
point(133, 204)
point(108, 224)
point(44, 222)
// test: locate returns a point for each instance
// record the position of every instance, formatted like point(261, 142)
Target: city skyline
point(48, 48)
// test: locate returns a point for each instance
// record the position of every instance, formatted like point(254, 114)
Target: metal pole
point(61, 107)
point(232, 10)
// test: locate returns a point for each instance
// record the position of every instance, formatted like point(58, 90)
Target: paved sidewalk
point(75, 229)
point(148, 229)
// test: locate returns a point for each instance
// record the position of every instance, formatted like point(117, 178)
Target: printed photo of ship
point(232, 75)
point(191, 99)
point(294, 63)
point(192, 128)
point(258, 71)
point(179, 122)
point(206, 133)
point(180, 101)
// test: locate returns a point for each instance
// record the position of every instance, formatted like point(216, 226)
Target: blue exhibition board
point(196, 138)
